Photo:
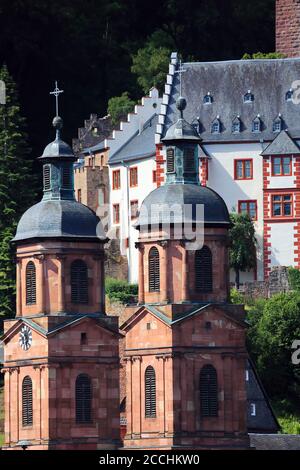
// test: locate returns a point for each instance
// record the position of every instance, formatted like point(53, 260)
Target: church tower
point(185, 344)
point(61, 355)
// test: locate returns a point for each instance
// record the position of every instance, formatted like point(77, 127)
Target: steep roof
point(228, 82)
point(141, 144)
point(283, 144)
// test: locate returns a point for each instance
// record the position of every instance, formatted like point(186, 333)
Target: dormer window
point(289, 95)
point(256, 124)
point(216, 126)
point(236, 125)
point(248, 97)
point(208, 99)
point(277, 124)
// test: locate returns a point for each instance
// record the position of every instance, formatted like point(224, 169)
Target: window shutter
point(154, 270)
point(203, 270)
point(83, 397)
point(30, 284)
point(170, 161)
point(150, 393)
point(79, 282)
point(208, 391)
point(189, 160)
point(47, 180)
point(27, 415)
point(66, 178)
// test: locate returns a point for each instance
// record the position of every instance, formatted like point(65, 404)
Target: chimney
point(288, 27)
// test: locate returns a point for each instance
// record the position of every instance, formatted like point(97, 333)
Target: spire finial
point(180, 71)
point(56, 92)
point(181, 105)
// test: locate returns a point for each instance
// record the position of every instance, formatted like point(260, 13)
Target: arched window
point(79, 282)
point(30, 284)
point(150, 393)
point(170, 160)
point(154, 270)
point(47, 177)
point(27, 415)
point(203, 270)
point(208, 391)
point(83, 399)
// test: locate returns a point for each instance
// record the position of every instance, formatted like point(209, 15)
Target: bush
point(236, 297)
point(294, 278)
point(120, 291)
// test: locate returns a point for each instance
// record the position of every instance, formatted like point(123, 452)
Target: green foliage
point(151, 64)
point(236, 297)
point(294, 278)
point(119, 107)
point(120, 291)
point(16, 187)
point(242, 254)
point(288, 415)
point(274, 325)
point(264, 55)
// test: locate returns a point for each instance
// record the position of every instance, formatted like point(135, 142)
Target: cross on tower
point(56, 93)
point(180, 71)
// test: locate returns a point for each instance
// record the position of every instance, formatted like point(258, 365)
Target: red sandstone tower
point(185, 345)
point(288, 27)
point(61, 352)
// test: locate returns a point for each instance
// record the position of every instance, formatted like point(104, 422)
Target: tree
point(16, 187)
point(119, 106)
point(150, 64)
point(263, 55)
point(242, 245)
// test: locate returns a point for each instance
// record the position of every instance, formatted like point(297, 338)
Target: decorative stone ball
point(57, 122)
point(181, 103)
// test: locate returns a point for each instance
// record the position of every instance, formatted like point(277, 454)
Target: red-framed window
point(248, 207)
point(243, 169)
point(116, 177)
point(133, 176)
point(134, 209)
point(116, 213)
point(282, 205)
point(281, 166)
point(154, 176)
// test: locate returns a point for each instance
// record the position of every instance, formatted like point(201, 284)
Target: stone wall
point(277, 282)
point(288, 27)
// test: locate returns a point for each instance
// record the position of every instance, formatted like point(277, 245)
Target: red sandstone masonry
point(288, 27)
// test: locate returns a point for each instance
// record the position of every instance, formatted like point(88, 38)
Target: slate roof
point(275, 441)
point(228, 82)
point(155, 207)
point(282, 145)
point(59, 219)
point(100, 146)
point(141, 145)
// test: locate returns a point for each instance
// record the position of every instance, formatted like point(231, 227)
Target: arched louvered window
point(83, 399)
point(79, 282)
point(208, 391)
point(30, 284)
point(203, 270)
point(189, 160)
point(27, 415)
point(150, 393)
point(66, 178)
point(170, 160)
point(154, 270)
point(47, 177)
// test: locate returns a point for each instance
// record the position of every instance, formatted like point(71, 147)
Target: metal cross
point(181, 70)
point(56, 93)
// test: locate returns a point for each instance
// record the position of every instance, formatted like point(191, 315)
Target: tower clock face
point(25, 338)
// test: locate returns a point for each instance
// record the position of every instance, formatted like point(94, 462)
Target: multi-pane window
point(79, 282)
point(133, 176)
point(236, 126)
point(256, 125)
point(208, 391)
point(248, 97)
point(116, 213)
point(83, 399)
point(30, 284)
point(248, 207)
point(216, 127)
point(27, 413)
point(170, 160)
point(243, 169)
point(134, 209)
point(207, 99)
point(282, 205)
point(281, 166)
point(203, 270)
point(277, 125)
point(154, 270)
point(150, 393)
point(116, 177)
